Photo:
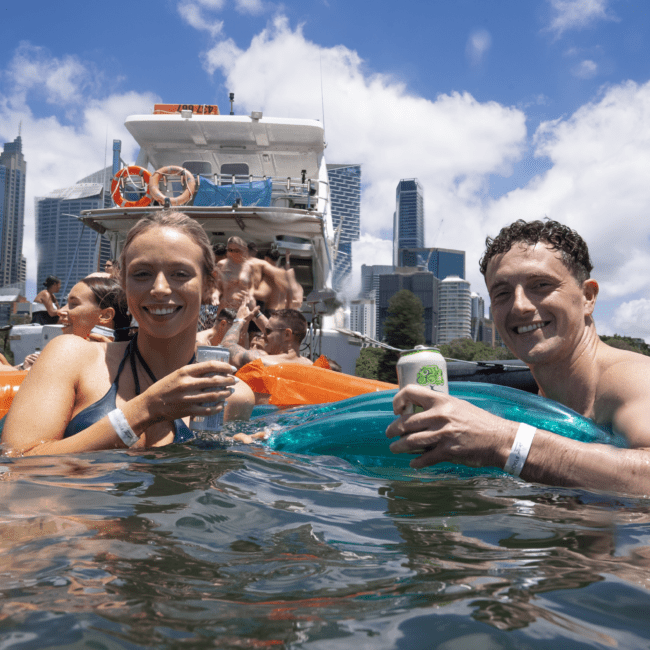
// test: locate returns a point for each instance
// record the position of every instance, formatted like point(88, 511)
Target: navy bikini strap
point(135, 352)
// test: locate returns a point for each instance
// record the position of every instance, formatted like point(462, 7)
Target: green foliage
point(404, 329)
point(627, 343)
point(468, 350)
point(368, 363)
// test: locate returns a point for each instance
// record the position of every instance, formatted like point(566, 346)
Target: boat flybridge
point(263, 179)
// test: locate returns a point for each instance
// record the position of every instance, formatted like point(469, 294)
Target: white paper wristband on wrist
point(520, 448)
point(123, 428)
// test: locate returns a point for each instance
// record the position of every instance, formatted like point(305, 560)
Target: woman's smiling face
point(82, 312)
point(164, 281)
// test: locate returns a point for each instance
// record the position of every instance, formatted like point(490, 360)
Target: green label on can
point(430, 375)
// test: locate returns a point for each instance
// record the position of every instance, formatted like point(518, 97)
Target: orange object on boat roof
point(118, 185)
point(294, 384)
point(10, 381)
point(197, 109)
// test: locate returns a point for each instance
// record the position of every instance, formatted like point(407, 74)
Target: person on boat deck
point(240, 275)
point(46, 308)
point(84, 396)
point(274, 296)
point(112, 267)
point(96, 301)
point(538, 278)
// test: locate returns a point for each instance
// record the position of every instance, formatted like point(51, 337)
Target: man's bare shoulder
point(622, 383)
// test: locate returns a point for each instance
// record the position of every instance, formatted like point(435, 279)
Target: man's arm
point(295, 291)
point(240, 356)
point(450, 429)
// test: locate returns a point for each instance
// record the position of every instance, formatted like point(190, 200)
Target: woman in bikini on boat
point(86, 396)
point(46, 307)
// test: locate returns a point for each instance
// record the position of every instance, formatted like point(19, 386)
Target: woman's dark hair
point(108, 293)
point(569, 243)
point(50, 281)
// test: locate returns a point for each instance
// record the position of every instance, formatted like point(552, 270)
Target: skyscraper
point(345, 194)
point(13, 170)
point(442, 262)
point(408, 219)
point(455, 305)
point(64, 247)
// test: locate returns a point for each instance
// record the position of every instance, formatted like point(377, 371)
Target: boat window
point(199, 168)
point(239, 170)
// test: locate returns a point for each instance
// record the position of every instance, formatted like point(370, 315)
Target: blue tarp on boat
point(254, 193)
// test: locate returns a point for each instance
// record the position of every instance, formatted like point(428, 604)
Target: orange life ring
point(117, 186)
point(293, 384)
point(172, 170)
point(10, 381)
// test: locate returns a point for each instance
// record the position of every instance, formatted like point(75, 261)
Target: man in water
point(283, 335)
point(538, 278)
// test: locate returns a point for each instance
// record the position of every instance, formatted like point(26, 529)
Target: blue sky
point(502, 109)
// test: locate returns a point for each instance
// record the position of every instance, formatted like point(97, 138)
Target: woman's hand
point(448, 429)
point(29, 361)
point(186, 391)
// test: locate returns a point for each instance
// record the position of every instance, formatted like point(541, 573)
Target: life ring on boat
point(172, 170)
point(294, 384)
point(117, 186)
point(10, 381)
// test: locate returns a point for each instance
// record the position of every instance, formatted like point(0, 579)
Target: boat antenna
point(232, 101)
point(322, 98)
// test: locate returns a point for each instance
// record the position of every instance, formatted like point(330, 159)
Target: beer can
point(212, 422)
point(423, 367)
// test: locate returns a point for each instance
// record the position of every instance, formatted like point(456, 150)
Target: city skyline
point(504, 110)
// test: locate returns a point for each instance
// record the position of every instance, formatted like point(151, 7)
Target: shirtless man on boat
point(239, 275)
point(542, 295)
point(275, 296)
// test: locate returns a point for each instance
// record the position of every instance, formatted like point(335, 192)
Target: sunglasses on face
point(268, 331)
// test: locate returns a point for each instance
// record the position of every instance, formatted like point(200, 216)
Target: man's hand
point(449, 429)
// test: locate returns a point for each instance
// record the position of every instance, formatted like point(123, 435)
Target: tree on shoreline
point(404, 329)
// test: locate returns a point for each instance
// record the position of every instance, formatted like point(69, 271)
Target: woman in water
point(84, 396)
point(96, 301)
point(46, 311)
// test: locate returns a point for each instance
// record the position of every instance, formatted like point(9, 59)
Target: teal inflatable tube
point(354, 429)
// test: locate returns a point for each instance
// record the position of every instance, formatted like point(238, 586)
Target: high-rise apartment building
point(345, 195)
point(455, 310)
point(408, 218)
point(363, 316)
point(64, 247)
point(478, 315)
point(370, 275)
point(13, 170)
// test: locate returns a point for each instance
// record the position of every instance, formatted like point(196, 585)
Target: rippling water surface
point(234, 546)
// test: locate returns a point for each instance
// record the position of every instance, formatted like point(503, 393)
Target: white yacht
point(261, 178)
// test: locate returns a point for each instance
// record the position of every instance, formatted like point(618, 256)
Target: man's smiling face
point(539, 308)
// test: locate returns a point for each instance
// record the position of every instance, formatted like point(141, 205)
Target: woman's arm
point(52, 308)
point(44, 405)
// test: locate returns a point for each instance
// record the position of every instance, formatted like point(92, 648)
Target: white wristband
point(123, 428)
point(520, 448)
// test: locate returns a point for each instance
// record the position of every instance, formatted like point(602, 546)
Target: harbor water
point(214, 544)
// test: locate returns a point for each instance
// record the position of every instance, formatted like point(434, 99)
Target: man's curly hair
point(572, 247)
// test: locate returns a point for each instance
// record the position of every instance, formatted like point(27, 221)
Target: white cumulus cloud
point(577, 14)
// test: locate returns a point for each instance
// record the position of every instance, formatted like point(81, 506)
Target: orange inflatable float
point(10, 381)
point(292, 384)
point(118, 183)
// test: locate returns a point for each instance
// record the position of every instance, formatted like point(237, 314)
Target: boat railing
point(291, 191)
